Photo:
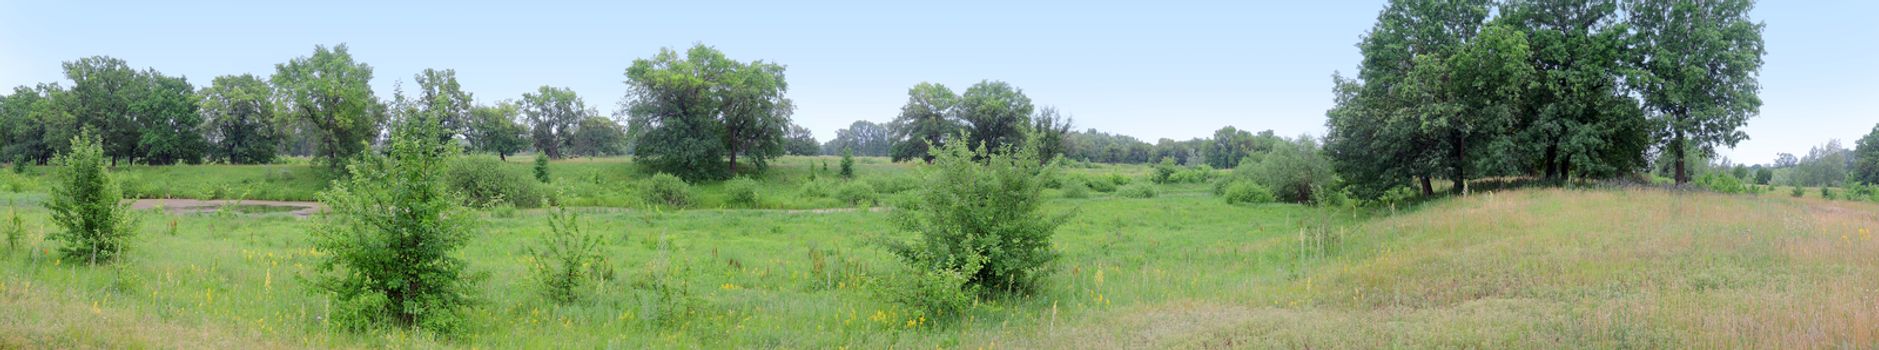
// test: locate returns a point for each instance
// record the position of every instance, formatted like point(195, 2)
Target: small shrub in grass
point(1827, 192)
point(666, 189)
point(16, 229)
point(742, 191)
point(937, 295)
point(856, 194)
point(1140, 190)
point(541, 167)
point(815, 189)
point(1722, 183)
point(1103, 185)
point(1163, 171)
point(485, 182)
point(388, 242)
point(1192, 175)
point(1118, 179)
point(848, 163)
point(1075, 189)
point(978, 228)
point(19, 165)
point(565, 258)
point(1248, 192)
point(85, 203)
point(1798, 192)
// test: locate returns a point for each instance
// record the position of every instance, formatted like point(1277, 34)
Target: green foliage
point(95, 227)
point(690, 113)
point(332, 94)
point(995, 114)
point(1163, 171)
point(980, 218)
point(1700, 108)
point(1106, 184)
point(1292, 170)
point(494, 129)
point(1866, 158)
point(1194, 174)
point(1798, 192)
point(893, 184)
point(1764, 175)
point(541, 167)
point(598, 137)
point(848, 163)
point(1139, 190)
point(1076, 189)
point(15, 229)
point(484, 182)
point(815, 189)
point(1247, 192)
point(19, 164)
point(566, 258)
point(742, 191)
point(856, 194)
point(553, 114)
point(926, 121)
point(388, 244)
point(1827, 193)
point(667, 189)
point(940, 295)
point(1722, 183)
point(240, 120)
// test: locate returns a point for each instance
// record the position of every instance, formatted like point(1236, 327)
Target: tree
point(440, 95)
point(103, 89)
point(599, 136)
point(553, 114)
point(1824, 165)
point(1866, 158)
point(494, 129)
point(800, 142)
point(85, 203)
point(330, 93)
point(1697, 63)
point(924, 122)
point(1576, 119)
point(29, 118)
point(239, 120)
point(1294, 171)
point(388, 244)
point(168, 121)
point(1471, 98)
point(1786, 160)
point(864, 138)
point(691, 113)
point(996, 113)
point(1050, 134)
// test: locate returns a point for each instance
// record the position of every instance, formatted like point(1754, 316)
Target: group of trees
point(320, 105)
point(1461, 89)
point(994, 114)
point(694, 115)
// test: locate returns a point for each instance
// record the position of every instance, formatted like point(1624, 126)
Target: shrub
point(1141, 190)
point(1104, 185)
point(1248, 192)
point(1291, 170)
point(484, 182)
point(932, 294)
point(1075, 189)
point(85, 204)
point(848, 163)
point(541, 167)
point(742, 191)
point(1164, 171)
point(16, 229)
point(978, 227)
point(389, 240)
point(1722, 183)
point(1827, 192)
point(855, 194)
point(815, 189)
point(1118, 179)
point(667, 189)
point(1197, 174)
point(19, 164)
point(566, 258)
point(1798, 192)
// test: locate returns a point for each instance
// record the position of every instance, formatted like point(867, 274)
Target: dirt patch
point(195, 206)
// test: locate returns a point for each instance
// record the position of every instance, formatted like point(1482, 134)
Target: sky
point(1149, 69)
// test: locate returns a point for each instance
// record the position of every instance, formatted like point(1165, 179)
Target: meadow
point(1596, 267)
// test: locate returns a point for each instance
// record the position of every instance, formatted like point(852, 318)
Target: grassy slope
point(1533, 268)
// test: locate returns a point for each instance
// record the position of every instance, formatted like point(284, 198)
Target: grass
point(1602, 268)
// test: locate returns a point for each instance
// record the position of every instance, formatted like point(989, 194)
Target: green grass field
point(1531, 268)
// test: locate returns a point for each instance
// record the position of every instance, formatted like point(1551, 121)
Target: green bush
point(85, 203)
point(1104, 185)
point(1291, 170)
point(666, 189)
point(1141, 190)
point(1192, 175)
point(1075, 189)
point(815, 189)
point(1722, 183)
point(566, 258)
point(1248, 192)
point(484, 182)
point(1163, 171)
point(19, 164)
point(1119, 180)
point(979, 227)
point(541, 167)
point(855, 193)
point(848, 163)
point(1798, 192)
point(389, 240)
point(742, 191)
point(1827, 192)
point(932, 294)
point(16, 230)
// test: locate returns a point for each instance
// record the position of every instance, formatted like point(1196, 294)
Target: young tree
point(331, 94)
point(1866, 158)
point(848, 163)
point(85, 203)
point(996, 113)
point(239, 120)
point(982, 219)
point(1697, 63)
point(1050, 134)
point(388, 242)
point(494, 129)
point(925, 121)
point(553, 114)
point(691, 113)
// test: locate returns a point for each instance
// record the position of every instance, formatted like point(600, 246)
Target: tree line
point(1464, 89)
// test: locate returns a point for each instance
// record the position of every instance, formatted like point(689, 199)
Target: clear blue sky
point(1150, 69)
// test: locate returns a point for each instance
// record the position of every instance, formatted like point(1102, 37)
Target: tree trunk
point(1552, 162)
point(1677, 150)
point(1428, 187)
point(1461, 166)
